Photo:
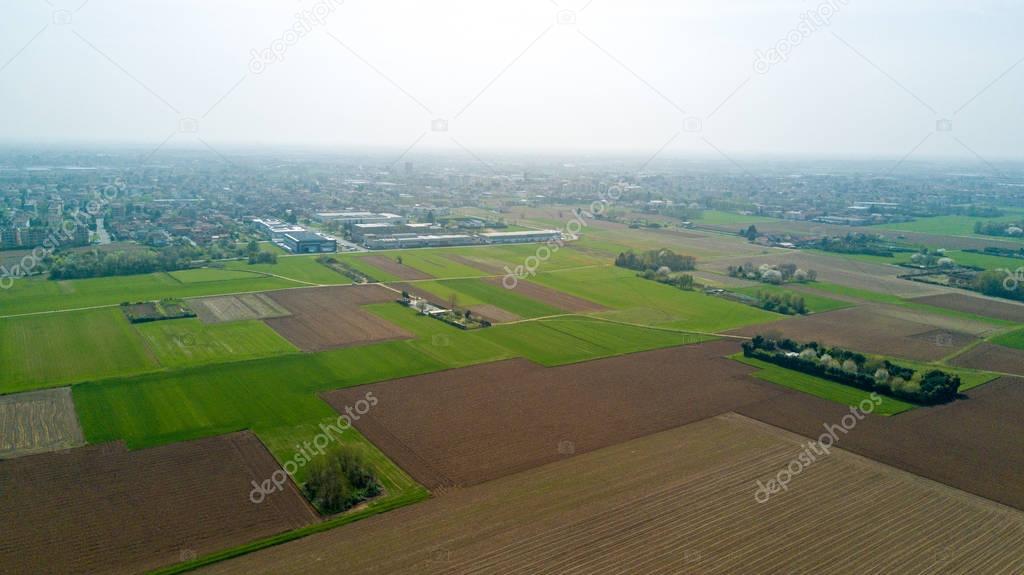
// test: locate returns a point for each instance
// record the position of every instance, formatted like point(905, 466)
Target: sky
point(789, 78)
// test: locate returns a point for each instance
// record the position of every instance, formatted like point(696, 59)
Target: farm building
point(306, 242)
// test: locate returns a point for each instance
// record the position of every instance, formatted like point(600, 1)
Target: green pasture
point(187, 342)
point(299, 268)
point(1014, 339)
point(814, 303)
point(53, 349)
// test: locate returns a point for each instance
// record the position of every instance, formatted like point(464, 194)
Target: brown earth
point(38, 421)
point(552, 297)
point(972, 444)
point(103, 509)
point(992, 357)
point(490, 267)
point(976, 305)
point(401, 271)
point(866, 329)
point(493, 313)
point(469, 425)
point(330, 317)
point(682, 501)
point(419, 292)
point(236, 308)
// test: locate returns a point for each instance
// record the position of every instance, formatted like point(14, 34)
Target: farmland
point(186, 342)
point(638, 507)
point(53, 349)
point(193, 491)
point(38, 421)
point(442, 427)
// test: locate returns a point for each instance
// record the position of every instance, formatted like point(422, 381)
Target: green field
point(469, 292)
point(650, 303)
point(866, 295)
point(822, 388)
point(39, 294)
point(715, 217)
point(814, 303)
point(53, 349)
point(209, 275)
point(187, 342)
point(1014, 339)
point(950, 225)
point(298, 268)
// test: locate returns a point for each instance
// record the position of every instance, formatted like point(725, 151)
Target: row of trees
point(664, 275)
point(75, 265)
point(854, 369)
point(1000, 283)
point(783, 302)
point(853, 244)
point(999, 229)
point(767, 273)
point(654, 260)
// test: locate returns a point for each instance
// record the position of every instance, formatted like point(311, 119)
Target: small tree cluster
point(784, 302)
point(654, 260)
point(772, 274)
point(339, 479)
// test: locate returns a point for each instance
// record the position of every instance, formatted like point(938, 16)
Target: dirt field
point(493, 313)
point(102, 509)
point(976, 305)
point(330, 317)
point(38, 421)
point(552, 297)
point(993, 358)
point(972, 444)
point(489, 267)
point(681, 501)
point(401, 271)
point(867, 329)
point(468, 425)
point(236, 308)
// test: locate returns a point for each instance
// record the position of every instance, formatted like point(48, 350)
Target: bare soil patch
point(976, 305)
point(38, 421)
point(552, 297)
point(103, 509)
point(867, 329)
point(493, 313)
point(489, 267)
point(330, 317)
point(237, 308)
point(972, 444)
point(992, 357)
point(474, 424)
point(401, 271)
point(681, 501)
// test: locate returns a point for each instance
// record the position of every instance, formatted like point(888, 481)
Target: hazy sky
point(861, 77)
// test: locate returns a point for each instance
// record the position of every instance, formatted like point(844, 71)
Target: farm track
point(639, 507)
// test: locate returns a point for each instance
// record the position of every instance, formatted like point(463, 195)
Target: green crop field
point(822, 388)
point(949, 225)
point(53, 349)
point(209, 275)
point(815, 303)
point(187, 342)
point(637, 300)
point(472, 292)
point(298, 268)
point(37, 294)
point(715, 217)
point(985, 261)
point(866, 295)
point(1014, 339)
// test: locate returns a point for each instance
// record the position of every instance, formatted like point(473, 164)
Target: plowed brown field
point(551, 297)
point(396, 269)
point(102, 509)
point(976, 305)
point(681, 501)
point(473, 424)
point(993, 358)
point(330, 317)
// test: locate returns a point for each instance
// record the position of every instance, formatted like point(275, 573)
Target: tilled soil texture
point(973, 444)
point(976, 305)
point(493, 313)
point(866, 329)
point(469, 425)
point(38, 421)
point(330, 317)
point(396, 269)
point(682, 501)
point(102, 509)
point(486, 266)
point(236, 308)
point(991, 357)
point(552, 297)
